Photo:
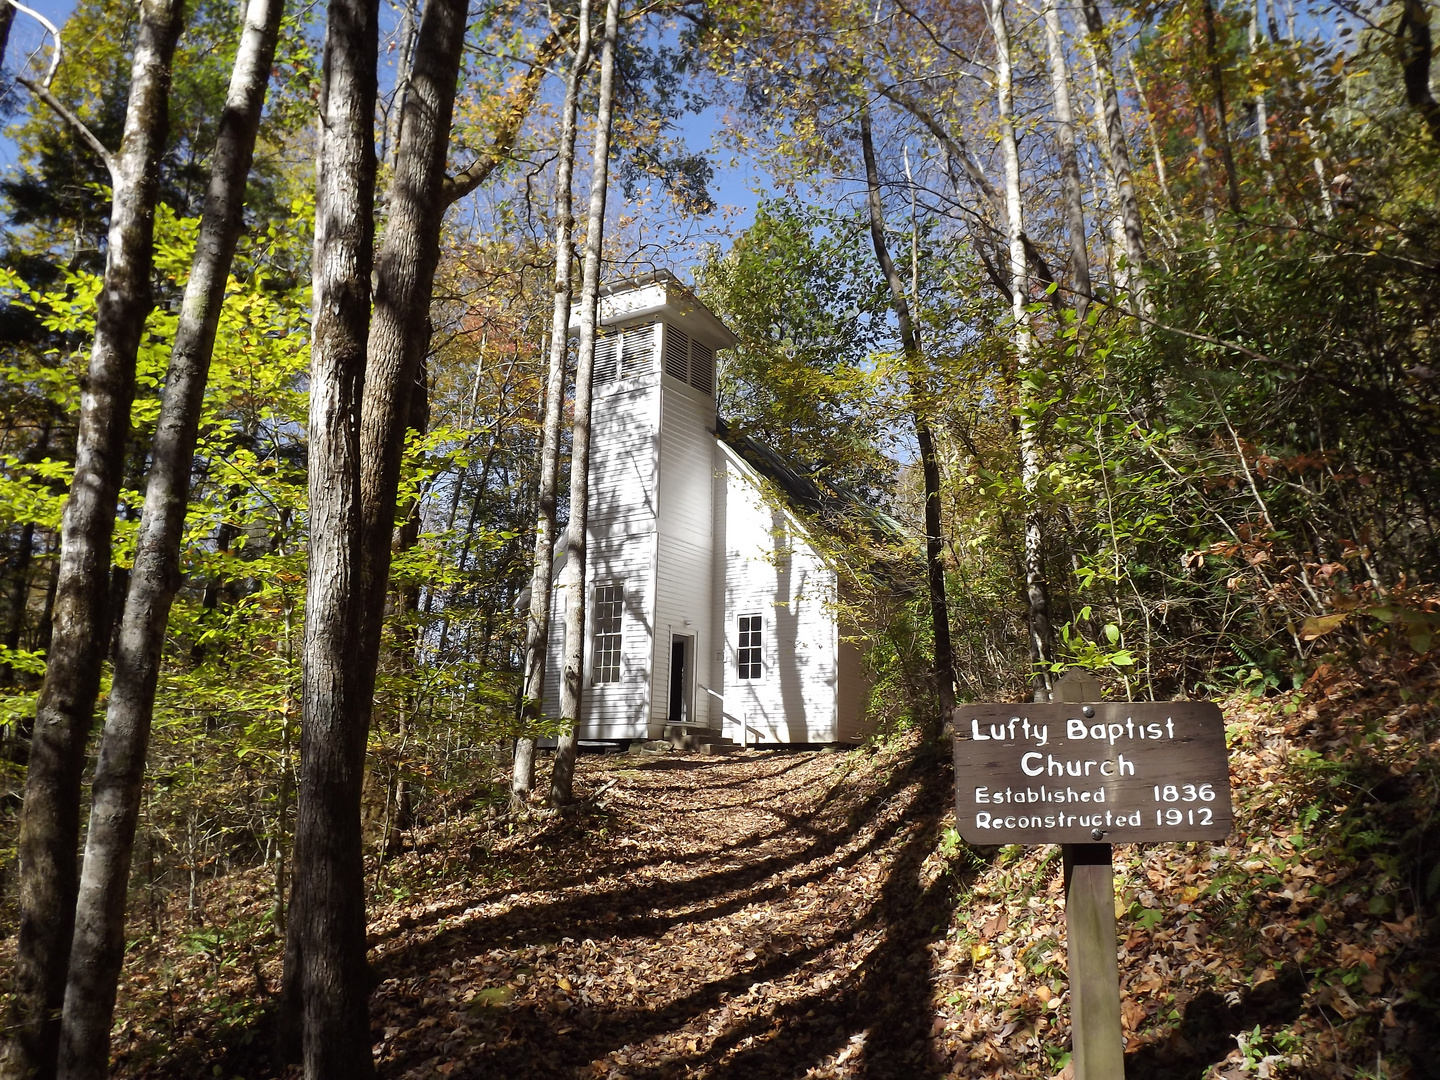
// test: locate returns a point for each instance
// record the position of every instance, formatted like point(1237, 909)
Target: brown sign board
point(1108, 772)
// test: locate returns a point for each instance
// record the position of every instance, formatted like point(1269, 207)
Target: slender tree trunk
point(1036, 592)
point(405, 34)
point(921, 395)
point(1416, 50)
point(405, 602)
point(18, 565)
point(325, 942)
point(1119, 155)
point(17, 569)
point(1222, 111)
point(1069, 164)
point(64, 713)
point(563, 775)
point(1119, 271)
point(537, 628)
point(99, 944)
point(1262, 127)
point(7, 19)
point(1207, 180)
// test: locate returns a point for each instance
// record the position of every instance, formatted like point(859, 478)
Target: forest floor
point(803, 913)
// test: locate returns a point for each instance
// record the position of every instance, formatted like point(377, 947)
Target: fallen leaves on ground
point(807, 914)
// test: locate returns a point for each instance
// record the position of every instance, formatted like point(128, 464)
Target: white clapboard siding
point(620, 541)
point(772, 570)
point(686, 529)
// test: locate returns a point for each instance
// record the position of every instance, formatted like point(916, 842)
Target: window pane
point(748, 648)
point(609, 603)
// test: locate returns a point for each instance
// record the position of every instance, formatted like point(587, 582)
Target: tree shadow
point(794, 999)
point(882, 1008)
point(1207, 1030)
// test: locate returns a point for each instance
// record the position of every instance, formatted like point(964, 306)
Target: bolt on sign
point(1107, 772)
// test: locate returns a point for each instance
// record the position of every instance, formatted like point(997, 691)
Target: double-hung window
point(749, 650)
point(609, 604)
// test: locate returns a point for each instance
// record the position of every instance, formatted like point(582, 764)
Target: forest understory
point(811, 913)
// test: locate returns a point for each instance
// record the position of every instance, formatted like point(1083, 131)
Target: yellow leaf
point(1319, 626)
point(564, 984)
point(979, 952)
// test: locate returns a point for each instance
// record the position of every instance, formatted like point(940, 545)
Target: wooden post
point(1097, 1042)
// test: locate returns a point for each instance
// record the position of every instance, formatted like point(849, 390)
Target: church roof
point(816, 497)
point(659, 295)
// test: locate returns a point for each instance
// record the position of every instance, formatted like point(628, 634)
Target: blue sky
point(734, 187)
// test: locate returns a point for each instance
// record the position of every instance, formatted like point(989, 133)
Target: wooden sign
point(1111, 772)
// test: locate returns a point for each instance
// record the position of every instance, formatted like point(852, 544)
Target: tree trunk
point(1207, 180)
point(921, 401)
point(325, 943)
point(1069, 164)
point(1036, 593)
point(1114, 234)
point(405, 31)
point(563, 775)
point(7, 19)
point(958, 153)
point(1415, 56)
point(64, 712)
point(1222, 112)
point(404, 604)
point(537, 628)
point(396, 392)
point(1262, 126)
point(18, 565)
point(99, 944)
point(400, 326)
point(1119, 155)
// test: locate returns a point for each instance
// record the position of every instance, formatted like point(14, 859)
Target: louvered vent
point(677, 354)
point(702, 368)
point(637, 353)
point(607, 360)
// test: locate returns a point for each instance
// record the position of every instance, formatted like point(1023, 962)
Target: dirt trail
point(761, 915)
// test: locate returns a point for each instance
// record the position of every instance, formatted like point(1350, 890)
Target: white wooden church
point(709, 607)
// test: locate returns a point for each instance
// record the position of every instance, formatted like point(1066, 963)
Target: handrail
point(745, 729)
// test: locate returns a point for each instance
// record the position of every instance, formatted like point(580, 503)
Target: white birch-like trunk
point(537, 628)
point(65, 709)
point(1112, 122)
point(99, 943)
point(1114, 226)
point(1030, 463)
point(1262, 129)
point(571, 685)
point(1069, 163)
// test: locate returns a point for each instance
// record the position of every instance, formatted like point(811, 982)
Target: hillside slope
point(810, 914)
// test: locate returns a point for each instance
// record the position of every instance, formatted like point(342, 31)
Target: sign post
point(1086, 776)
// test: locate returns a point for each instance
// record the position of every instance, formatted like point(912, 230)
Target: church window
point(609, 603)
point(749, 652)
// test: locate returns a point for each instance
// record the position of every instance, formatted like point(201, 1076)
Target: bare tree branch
point(43, 92)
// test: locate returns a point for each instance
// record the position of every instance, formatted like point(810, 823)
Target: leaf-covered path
point(758, 915)
point(788, 914)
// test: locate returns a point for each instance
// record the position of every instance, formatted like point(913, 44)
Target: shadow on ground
point(1209, 1024)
